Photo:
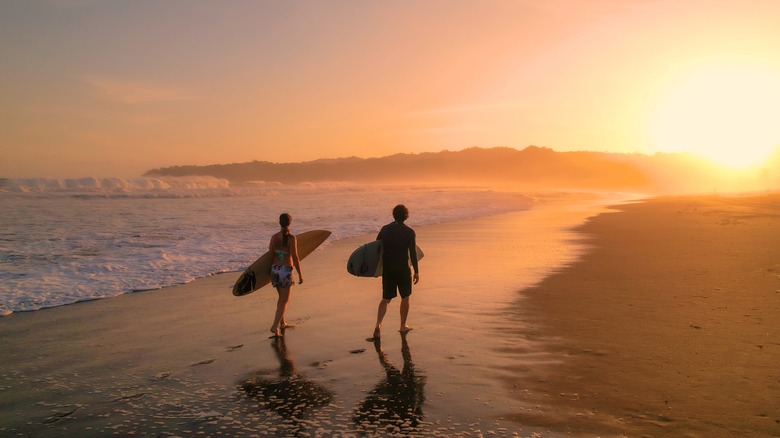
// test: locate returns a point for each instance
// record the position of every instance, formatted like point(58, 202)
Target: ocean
point(67, 241)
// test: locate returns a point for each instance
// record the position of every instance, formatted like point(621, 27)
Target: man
point(399, 246)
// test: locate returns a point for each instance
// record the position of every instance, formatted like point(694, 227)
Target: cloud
point(136, 92)
point(466, 109)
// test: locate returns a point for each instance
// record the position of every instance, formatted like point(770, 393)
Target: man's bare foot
point(375, 336)
point(405, 329)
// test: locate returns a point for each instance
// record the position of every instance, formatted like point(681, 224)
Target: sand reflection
point(285, 392)
point(396, 402)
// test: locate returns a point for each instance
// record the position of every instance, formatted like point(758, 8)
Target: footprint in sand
point(57, 416)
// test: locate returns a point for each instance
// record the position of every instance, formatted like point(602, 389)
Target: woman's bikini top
point(281, 254)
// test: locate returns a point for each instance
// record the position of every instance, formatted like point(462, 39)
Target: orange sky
point(114, 88)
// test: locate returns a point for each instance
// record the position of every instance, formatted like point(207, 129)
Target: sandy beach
point(669, 325)
point(657, 318)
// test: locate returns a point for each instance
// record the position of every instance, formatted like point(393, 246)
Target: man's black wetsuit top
point(399, 244)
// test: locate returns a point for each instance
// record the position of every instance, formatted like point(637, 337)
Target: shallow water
point(63, 242)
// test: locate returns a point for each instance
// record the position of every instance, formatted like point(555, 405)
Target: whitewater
point(68, 241)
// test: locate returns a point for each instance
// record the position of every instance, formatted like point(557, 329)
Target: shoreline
point(116, 244)
point(534, 200)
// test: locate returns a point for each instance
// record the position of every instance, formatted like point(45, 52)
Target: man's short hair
point(400, 213)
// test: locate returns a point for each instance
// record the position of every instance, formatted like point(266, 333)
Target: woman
point(285, 248)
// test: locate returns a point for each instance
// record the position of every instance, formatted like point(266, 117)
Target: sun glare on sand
point(730, 115)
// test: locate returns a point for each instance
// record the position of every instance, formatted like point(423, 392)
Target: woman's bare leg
point(281, 308)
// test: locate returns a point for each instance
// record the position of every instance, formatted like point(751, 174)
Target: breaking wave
point(144, 187)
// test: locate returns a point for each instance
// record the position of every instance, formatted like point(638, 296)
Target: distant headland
point(533, 167)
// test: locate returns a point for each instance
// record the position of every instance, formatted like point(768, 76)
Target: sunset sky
point(117, 87)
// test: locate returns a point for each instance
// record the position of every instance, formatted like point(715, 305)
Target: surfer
point(285, 248)
point(399, 246)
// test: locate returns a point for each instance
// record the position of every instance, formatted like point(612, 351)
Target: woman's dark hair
point(400, 213)
point(284, 220)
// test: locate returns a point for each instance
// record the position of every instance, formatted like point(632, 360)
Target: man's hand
point(416, 278)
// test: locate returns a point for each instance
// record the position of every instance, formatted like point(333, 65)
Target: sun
point(729, 114)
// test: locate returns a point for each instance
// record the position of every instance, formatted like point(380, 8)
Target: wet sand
point(194, 359)
point(666, 327)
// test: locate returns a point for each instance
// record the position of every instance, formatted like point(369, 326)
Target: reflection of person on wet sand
point(397, 400)
point(288, 394)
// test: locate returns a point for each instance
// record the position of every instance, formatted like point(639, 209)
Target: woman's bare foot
point(276, 333)
point(375, 336)
point(285, 326)
point(405, 329)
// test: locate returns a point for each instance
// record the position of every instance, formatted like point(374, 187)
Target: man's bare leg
point(380, 315)
point(404, 314)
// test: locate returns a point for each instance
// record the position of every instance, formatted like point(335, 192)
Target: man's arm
point(413, 257)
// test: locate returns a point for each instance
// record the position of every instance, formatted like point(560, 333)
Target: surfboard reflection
point(288, 394)
point(397, 400)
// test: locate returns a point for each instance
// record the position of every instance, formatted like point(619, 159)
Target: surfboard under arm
point(258, 274)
